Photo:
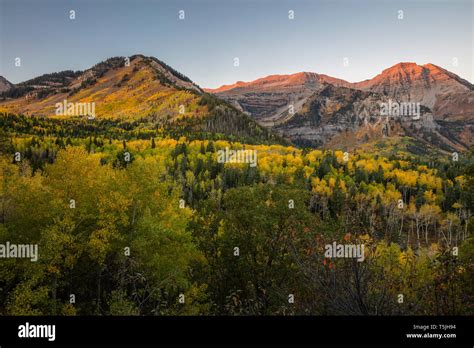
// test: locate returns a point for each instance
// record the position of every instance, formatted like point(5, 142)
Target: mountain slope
point(147, 90)
point(341, 117)
point(450, 98)
point(5, 85)
point(332, 112)
point(445, 93)
point(268, 99)
point(118, 91)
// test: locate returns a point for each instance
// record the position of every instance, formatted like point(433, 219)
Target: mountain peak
point(271, 82)
point(410, 81)
point(141, 89)
point(403, 70)
point(5, 85)
point(115, 67)
point(403, 66)
point(431, 66)
point(157, 90)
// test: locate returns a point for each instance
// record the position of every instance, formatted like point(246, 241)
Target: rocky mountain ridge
point(317, 110)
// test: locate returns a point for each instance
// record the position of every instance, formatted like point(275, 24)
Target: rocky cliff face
point(269, 99)
point(317, 110)
point(442, 91)
point(5, 85)
point(341, 117)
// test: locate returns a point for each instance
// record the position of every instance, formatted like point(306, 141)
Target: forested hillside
point(139, 94)
point(130, 221)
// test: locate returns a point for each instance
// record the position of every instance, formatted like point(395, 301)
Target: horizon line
point(251, 80)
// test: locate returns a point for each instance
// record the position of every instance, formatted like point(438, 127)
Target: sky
point(203, 46)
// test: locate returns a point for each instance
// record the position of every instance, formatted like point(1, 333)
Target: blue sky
point(258, 32)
